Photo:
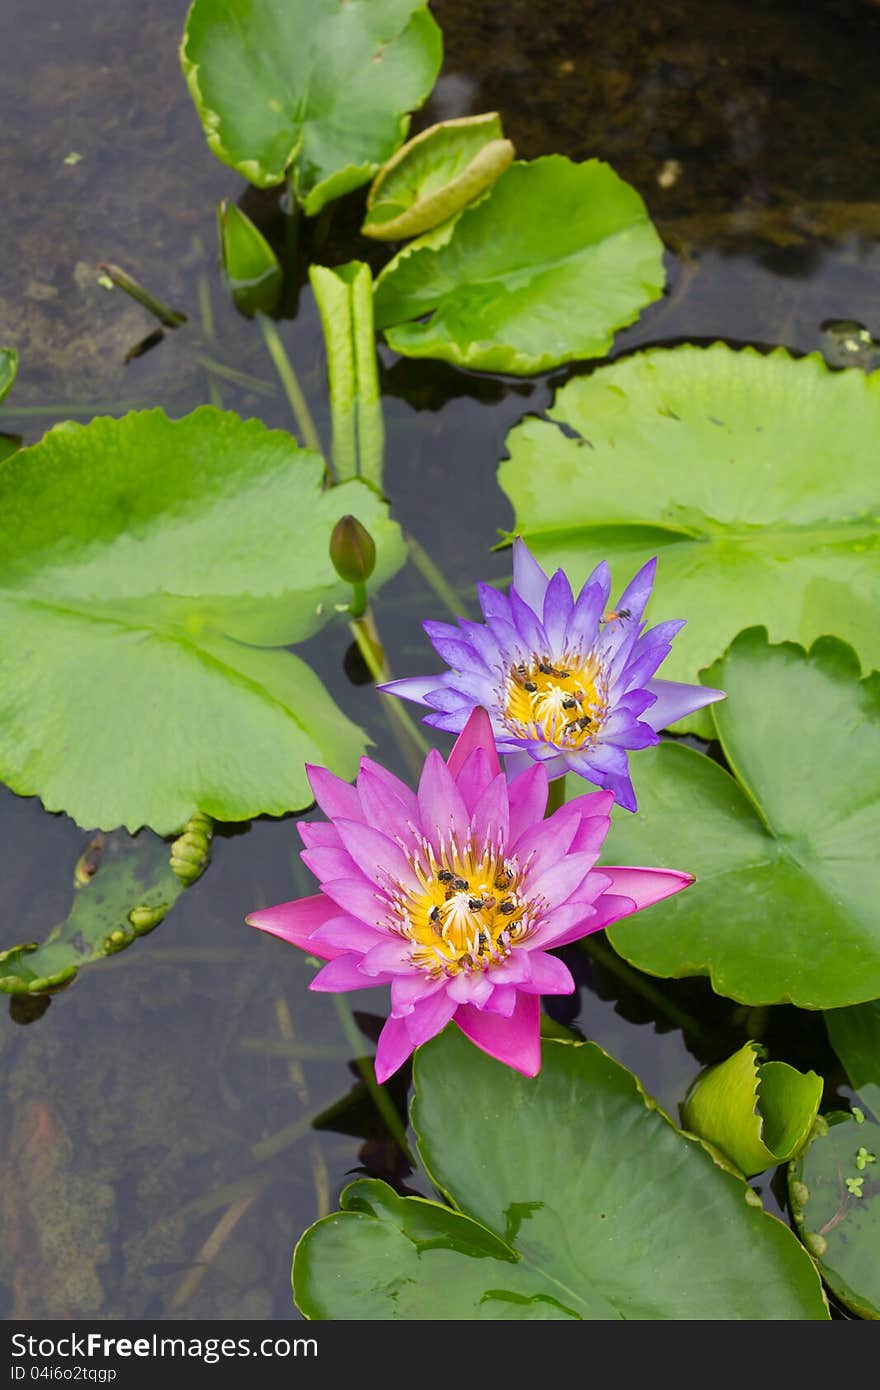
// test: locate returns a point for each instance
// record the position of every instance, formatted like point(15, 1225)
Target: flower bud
point(352, 550)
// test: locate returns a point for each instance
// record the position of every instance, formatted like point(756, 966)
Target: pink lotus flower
point(455, 896)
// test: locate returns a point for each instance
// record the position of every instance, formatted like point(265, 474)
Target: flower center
point(468, 912)
point(562, 702)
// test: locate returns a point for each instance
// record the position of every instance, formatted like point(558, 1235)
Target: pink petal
point(318, 834)
point(379, 778)
point(335, 797)
point(429, 1017)
point(502, 1001)
point(348, 934)
point(470, 987)
point(329, 863)
point(561, 880)
point(591, 835)
point(515, 1040)
point(377, 857)
point(550, 975)
point(490, 819)
point(646, 886)
point(475, 776)
point(527, 797)
point(360, 898)
point(477, 733)
point(345, 973)
point(545, 843)
point(407, 990)
point(295, 922)
point(610, 908)
point(441, 809)
point(393, 1049)
point(569, 923)
point(391, 957)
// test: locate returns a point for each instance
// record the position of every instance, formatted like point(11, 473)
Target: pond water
point(157, 1156)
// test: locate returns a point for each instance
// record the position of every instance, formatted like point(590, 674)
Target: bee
point(502, 882)
point(569, 702)
point(445, 876)
point(475, 904)
point(435, 914)
point(530, 687)
point(614, 614)
point(545, 668)
point(489, 902)
point(507, 907)
point(460, 885)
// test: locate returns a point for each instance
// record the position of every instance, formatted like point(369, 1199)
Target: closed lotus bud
point(352, 550)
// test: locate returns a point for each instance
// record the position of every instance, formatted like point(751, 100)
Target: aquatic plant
point(566, 681)
point(456, 896)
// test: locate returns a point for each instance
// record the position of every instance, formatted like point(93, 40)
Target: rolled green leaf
point(436, 174)
point(251, 265)
point(344, 297)
point(757, 1113)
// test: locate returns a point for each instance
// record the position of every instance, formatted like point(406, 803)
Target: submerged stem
point(380, 1097)
point(292, 389)
point(426, 567)
point(408, 736)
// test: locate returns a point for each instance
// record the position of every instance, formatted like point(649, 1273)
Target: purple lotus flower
point(565, 680)
point(455, 896)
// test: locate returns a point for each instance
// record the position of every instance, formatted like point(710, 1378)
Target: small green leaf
point(316, 88)
point(855, 1037)
point(544, 270)
point(574, 1198)
point(757, 1113)
point(251, 265)
point(836, 1210)
point(436, 174)
point(146, 565)
point(8, 369)
point(784, 908)
point(130, 889)
point(753, 478)
point(345, 302)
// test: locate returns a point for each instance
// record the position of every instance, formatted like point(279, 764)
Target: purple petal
point(345, 973)
point(393, 1049)
point(412, 687)
point(675, 701)
point(529, 579)
point(637, 592)
point(335, 797)
point(527, 797)
point(493, 603)
point(516, 1041)
point(456, 652)
point(517, 763)
point(477, 733)
point(430, 1017)
point(558, 607)
point(583, 624)
point(295, 922)
point(528, 626)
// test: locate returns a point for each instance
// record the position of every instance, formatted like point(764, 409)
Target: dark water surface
point(154, 1108)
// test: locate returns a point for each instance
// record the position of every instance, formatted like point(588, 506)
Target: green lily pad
point(436, 174)
point(123, 889)
point(834, 1190)
point(753, 478)
point(544, 270)
point(855, 1037)
point(8, 369)
point(575, 1198)
point(139, 559)
point(758, 1113)
point(251, 266)
point(784, 908)
point(319, 89)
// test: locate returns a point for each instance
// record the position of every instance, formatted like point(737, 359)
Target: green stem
point(603, 953)
point(555, 796)
point(123, 281)
point(292, 389)
point(438, 582)
point(358, 606)
point(380, 1097)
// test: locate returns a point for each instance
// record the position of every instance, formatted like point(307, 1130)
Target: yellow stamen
point(467, 912)
point(557, 701)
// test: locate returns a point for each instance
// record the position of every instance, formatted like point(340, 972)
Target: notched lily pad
point(435, 175)
point(753, 478)
point(543, 270)
point(834, 1190)
point(575, 1198)
point(316, 89)
point(784, 908)
point(149, 569)
point(756, 1112)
